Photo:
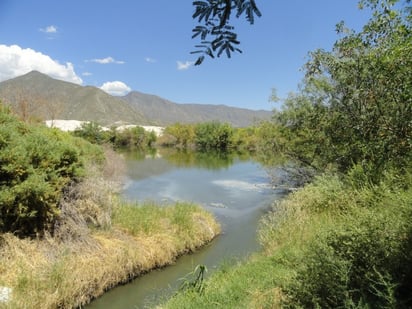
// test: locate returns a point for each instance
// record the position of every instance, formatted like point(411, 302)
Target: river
point(236, 189)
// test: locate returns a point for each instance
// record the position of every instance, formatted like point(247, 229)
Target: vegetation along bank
point(65, 235)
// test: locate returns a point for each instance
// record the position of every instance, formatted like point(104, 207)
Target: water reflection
point(206, 160)
point(233, 187)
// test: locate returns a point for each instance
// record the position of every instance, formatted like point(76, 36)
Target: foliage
point(215, 31)
point(246, 138)
point(362, 260)
point(179, 135)
point(36, 165)
point(133, 137)
point(210, 136)
point(92, 132)
point(355, 106)
point(213, 136)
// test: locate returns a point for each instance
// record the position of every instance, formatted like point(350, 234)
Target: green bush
point(135, 137)
point(36, 164)
point(92, 132)
point(364, 261)
point(179, 135)
point(213, 136)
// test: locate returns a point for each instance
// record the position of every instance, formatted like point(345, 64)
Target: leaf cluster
point(217, 35)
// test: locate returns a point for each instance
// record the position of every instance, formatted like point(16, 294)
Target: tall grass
point(186, 225)
point(327, 245)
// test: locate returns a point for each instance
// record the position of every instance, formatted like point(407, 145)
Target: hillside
point(165, 112)
point(38, 95)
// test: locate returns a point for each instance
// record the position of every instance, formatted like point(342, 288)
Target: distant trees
point(134, 137)
point(202, 136)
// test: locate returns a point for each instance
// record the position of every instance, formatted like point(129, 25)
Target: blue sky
point(145, 46)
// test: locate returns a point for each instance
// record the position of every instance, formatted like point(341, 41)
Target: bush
point(135, 137)
point(36, 164)
point(213, 136)
point(92, 132)
point(363, 261)
point(179, 135)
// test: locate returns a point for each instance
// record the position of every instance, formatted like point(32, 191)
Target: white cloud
point(49, 29)
point(87, 74)
point(150, 60)
point(107, 60)
point(16, 61)
point(116, 88)
point(184, 65)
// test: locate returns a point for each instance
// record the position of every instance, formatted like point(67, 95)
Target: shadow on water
point(236, 189)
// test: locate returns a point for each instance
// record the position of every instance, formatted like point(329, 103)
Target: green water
point(236, 189)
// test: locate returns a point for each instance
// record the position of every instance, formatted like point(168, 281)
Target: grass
point(100, 242)
point(186, 224)
point(51, 274)
point(364, 229)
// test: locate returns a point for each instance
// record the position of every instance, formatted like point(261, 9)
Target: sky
point(126, 45)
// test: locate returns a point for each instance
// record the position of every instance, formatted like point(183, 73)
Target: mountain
point(40, 96)
point(43, 97)
point(162, 111)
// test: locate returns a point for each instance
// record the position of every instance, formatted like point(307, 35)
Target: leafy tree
point(215, 31)
point(356, 104)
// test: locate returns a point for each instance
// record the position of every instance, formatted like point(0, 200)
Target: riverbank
point(328, 244)
point(100, 242)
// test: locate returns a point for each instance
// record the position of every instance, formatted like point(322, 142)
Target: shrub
point(179, 135)
point(362, 261)
point(92, 132)
point(135, 137)
point(36, 164)
point(213, 136)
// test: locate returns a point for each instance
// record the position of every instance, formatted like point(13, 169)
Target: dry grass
point(49, 274)
point(91, 251)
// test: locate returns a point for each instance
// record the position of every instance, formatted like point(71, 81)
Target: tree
point(215, 31)
point(357, 99)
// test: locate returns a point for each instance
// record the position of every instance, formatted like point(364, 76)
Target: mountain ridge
point(43, 97)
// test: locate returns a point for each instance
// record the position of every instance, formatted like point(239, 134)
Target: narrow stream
point(236, 190)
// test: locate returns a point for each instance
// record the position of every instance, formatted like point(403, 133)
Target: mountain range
point(40, 96)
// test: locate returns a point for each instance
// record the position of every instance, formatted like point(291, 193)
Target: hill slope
point(165, 112)
point(36, 94)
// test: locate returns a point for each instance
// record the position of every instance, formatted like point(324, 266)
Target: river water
point(236, 189)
